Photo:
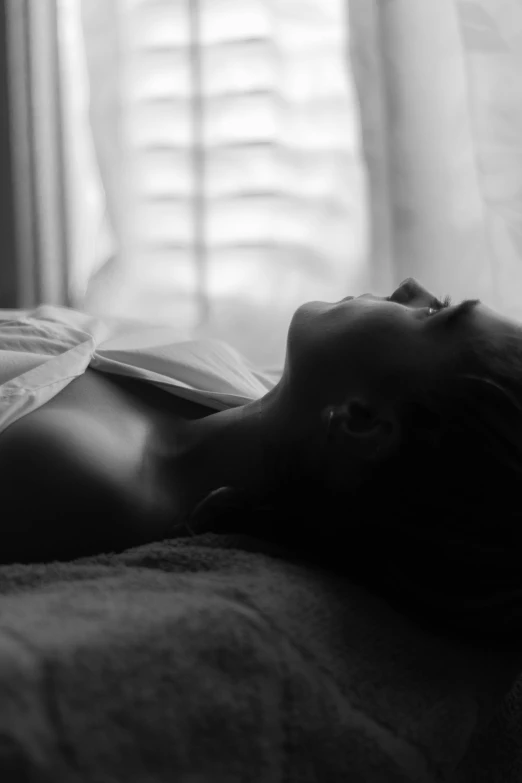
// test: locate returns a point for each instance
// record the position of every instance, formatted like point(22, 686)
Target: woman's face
point(378, 346)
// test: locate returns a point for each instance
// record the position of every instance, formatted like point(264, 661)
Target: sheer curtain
point(215, 163)
point(229, 166)
point(441, 97)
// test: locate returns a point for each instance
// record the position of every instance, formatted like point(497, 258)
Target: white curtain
point(217, 170)
point(441, 98)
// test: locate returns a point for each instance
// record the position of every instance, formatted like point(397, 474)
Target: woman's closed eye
point(436, 305)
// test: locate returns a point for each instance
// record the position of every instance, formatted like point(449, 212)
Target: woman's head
point(369, 360)
point(394, 443)
point(423, 403)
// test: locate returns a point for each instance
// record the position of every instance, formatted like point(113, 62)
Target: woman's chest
point(93, 458)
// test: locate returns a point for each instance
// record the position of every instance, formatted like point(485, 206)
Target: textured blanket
point(218, 659)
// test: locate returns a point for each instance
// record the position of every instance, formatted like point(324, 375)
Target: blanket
point(222, 658)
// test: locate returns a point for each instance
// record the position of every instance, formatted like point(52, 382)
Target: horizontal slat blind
point(249, 160)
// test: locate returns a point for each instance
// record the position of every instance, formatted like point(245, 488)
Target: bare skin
point(112, 462)
point(83, 470)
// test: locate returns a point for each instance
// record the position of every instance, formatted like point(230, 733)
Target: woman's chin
point(309, 311)
point(322, 305)
point(314, 306)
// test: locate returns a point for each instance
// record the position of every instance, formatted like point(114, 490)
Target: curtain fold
point(90, 128)
point(366, 63)
point(35, 264)
point(449, 149)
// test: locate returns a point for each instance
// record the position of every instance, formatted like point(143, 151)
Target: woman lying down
point(395, 426)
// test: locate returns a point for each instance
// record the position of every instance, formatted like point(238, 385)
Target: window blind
point(239, 187)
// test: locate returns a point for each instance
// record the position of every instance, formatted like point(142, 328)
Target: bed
point(224, 658)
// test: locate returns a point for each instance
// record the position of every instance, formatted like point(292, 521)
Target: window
point(214, 164)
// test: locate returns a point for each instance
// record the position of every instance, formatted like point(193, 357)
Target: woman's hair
point(437, 527)
point(454, 494)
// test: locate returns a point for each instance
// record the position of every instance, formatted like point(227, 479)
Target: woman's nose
point(412, 294)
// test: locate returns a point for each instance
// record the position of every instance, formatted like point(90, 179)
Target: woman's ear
point(368, 431)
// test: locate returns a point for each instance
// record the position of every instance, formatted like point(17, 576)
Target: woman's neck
point(248, 448)
point(229, 448)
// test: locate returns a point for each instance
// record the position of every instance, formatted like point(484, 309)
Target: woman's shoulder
point(99, 427)
point(75, 475)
